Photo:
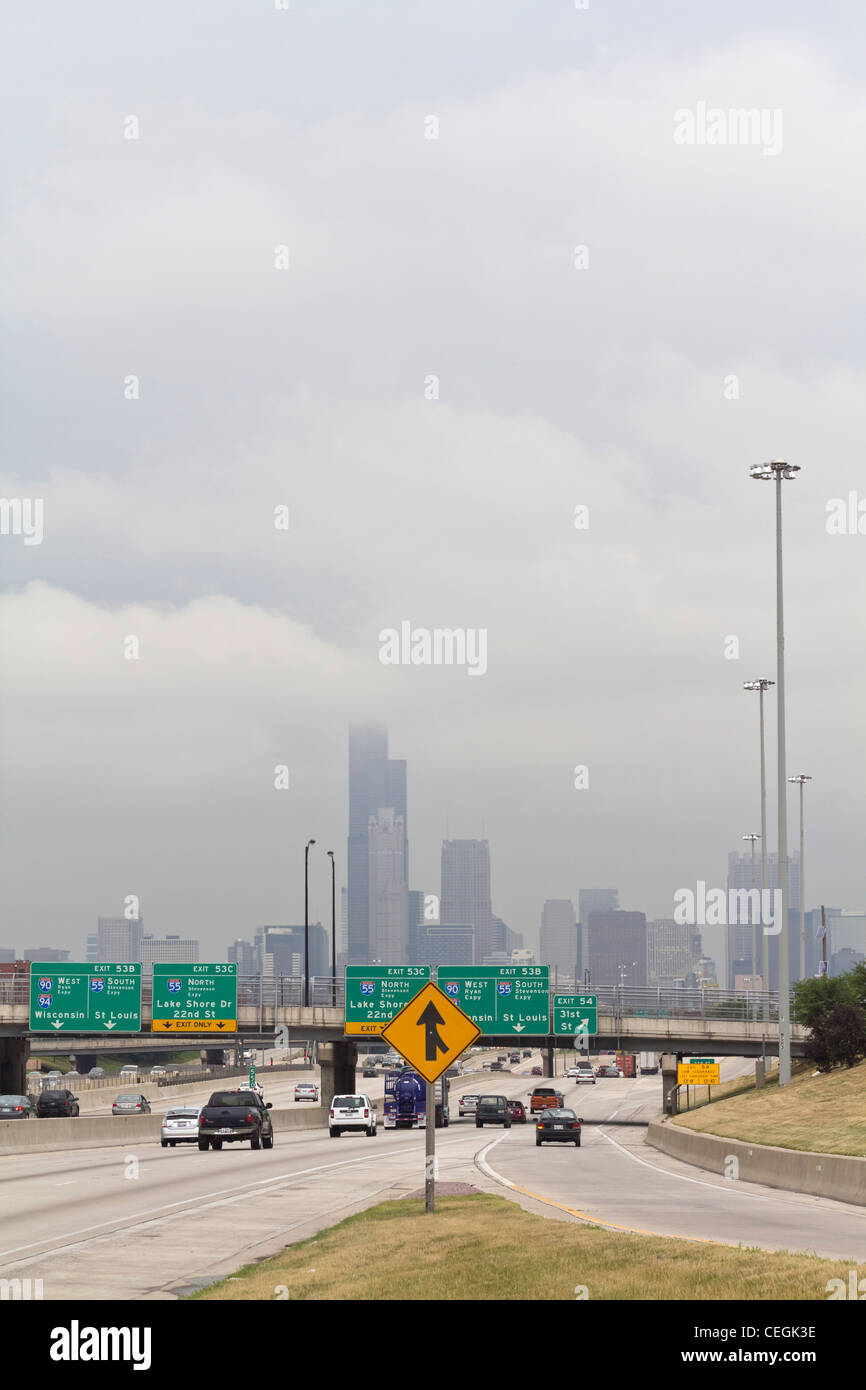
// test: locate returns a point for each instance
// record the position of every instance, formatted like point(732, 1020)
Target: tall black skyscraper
point(376, 783)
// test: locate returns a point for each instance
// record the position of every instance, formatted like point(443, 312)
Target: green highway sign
point(575, 1013)
point(194, 998)
point(501, 998)
point(375, 993)
point(252, 1076)
point(93, 997)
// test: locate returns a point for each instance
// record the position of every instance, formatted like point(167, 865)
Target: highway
point(149, 1223)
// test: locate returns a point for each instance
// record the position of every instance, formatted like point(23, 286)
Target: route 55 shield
point(504, 987)
point(173, 986)
point(367, 986)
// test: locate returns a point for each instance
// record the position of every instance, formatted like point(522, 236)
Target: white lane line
point(121, 1222)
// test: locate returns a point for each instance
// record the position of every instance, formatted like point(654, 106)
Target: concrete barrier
point(106, 1131)
point(839, 1176)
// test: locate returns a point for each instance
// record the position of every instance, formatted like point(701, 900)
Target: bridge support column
point(760, 1073)
point(13, 1065)
point(550, 1061)
point(337, 1062)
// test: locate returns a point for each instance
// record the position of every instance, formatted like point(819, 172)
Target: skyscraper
point(673, 950)
point(617, 939)
point(388, 913)
point(593, 900)
point(465, 892)
point(558, 937)
point(119, 938)
point(744, 877)
point(377, 784)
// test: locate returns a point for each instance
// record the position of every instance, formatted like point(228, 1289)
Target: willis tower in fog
point(378, 851)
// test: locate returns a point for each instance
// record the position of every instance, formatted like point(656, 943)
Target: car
point(16, 1108)
point(52, 1076)
point(517, 1111)
point(255, 1087)
point(585, 1075)
point(367, 1072)
point(52, 1104)
point(527, 1052)
point(608, 1071)
point(467, 1105)
point(308, 1090)
point(180, 1125)
point(130, 1103)
point(129, 1073)
point(486, 1066)
point(502, 1057)
point(158, 1071)
point(497, 1066)
point(96, 1072)
point(536, 1071)
point(544, 1097)
point(232, 1117)
point(558, 1126)
point(351, 1112)
point(73, 1076)
point(492, 1110)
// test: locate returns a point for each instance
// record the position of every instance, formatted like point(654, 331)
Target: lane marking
point(122, 1222)
point(581, 1215)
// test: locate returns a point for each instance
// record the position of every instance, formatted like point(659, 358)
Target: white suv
point(351, 1112)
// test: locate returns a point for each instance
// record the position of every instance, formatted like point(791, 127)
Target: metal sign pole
point(430, 1150)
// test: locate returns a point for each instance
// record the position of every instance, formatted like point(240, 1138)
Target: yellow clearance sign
point(194, 1025)
point(430, 1032)
point(698, 1073)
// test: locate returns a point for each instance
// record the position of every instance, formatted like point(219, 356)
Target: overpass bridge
point(685, 1022)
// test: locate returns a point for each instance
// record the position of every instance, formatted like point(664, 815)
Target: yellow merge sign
point(430, 1032)
point(698, 1074)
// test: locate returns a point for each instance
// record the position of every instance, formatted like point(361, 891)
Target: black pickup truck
point(232, 1117)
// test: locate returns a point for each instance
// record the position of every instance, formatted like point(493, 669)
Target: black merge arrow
point(429, 1020)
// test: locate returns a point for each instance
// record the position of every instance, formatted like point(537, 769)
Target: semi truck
point(649, 1063)
point(405, 1105)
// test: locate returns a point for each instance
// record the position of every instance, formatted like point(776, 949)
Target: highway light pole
point(802, 778)
point(753, 838)
point(307, 923)
point(778, 471)
point(761, 685)
point(333, 930)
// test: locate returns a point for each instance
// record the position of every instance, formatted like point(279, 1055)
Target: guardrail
point(634, 1001)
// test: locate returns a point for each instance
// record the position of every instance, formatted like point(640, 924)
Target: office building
point(244, 955)
point(843, 961)
point(465, 892)
point(91, 950)
point(388, 893)
point(558, 936)
point(119, 938)
point(45, 953)
point(280, 951)
point(744, 879)
point(377, 786)
point(616, 948)
point(592, 900)
point(673, 949)
point(7, 954)
point(167, 948)
point(446, 945)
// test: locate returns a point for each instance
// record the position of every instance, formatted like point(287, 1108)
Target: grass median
point(484, 1247)
point(824, 1114)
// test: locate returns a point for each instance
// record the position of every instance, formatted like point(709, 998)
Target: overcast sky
point(714, 320)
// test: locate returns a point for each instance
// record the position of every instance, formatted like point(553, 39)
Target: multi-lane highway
point(147, 1222)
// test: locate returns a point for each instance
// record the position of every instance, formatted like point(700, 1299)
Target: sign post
point(430, 1033)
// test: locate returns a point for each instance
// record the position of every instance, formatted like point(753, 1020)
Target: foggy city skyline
point(400, 346)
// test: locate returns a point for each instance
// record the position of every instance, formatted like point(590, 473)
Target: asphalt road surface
point(152, 1222)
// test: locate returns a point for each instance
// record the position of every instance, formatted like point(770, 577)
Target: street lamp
point(778, 471)
point(802, 778)
point(623, 970)
point(753, 838)
point(761, 685)
point(333, 930)
point(307, 923)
